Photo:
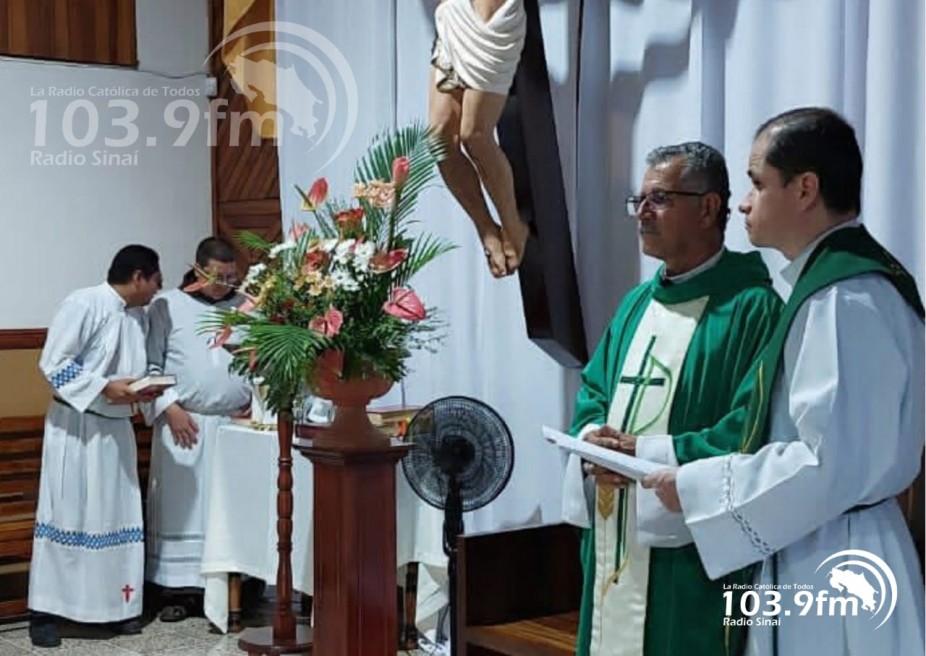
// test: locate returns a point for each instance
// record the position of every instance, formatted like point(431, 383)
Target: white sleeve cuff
point(160, 404)
point(575, 501)
point(725, 540)
point(657, 526)
point(657, 448)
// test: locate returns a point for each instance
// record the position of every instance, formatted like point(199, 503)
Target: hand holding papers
point(629, 466)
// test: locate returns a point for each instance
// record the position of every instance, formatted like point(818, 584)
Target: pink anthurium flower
point(222, 337)
point(316, 196)
point(315, 260)
point(297, 231)
point(329, 324)
point(195, 286)
point(405, 304)
point(400, 170)
point(384, 262)
point(348, 220)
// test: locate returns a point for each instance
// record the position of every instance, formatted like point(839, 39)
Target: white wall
point(61, 224)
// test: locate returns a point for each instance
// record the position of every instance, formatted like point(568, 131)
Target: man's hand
point(182, 426)
point(117, 392)
point(663, 483)
point(612, 439)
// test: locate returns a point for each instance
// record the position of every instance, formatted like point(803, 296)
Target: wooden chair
point(519, 592)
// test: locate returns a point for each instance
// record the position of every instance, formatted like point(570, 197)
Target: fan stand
point(285, 636)
point(453, 528)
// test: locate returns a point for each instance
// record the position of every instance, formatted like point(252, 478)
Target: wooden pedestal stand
point(285, 636)
point(355, 536)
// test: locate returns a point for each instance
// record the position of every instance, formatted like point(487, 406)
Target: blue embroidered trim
point(66, 375)
point(89, 540)
point(758, 543)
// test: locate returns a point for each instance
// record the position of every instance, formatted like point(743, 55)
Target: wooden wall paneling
point(126, 42)
point(82, 31)
point(22, 339)
point(20, 454)
point(39, 29)
point(4, 26)
point(61, 30)
point(17, 26)
point(89, 31)
point(103, 46)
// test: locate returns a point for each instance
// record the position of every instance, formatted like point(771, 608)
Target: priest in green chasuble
point(835, 423)
point(672, 362)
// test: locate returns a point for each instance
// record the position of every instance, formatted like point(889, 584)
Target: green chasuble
point(685, 377)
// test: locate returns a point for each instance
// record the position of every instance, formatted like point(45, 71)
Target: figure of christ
point(475, 57)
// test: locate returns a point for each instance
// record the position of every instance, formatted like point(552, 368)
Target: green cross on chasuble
point(640, 407)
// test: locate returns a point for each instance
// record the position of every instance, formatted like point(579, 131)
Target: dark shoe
point(43, 632)
point(126, 627)
point(180, 607)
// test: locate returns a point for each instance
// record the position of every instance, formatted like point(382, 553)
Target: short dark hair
point(704, 169)
point(130, 259)
point(820, 141)
point(214, 248)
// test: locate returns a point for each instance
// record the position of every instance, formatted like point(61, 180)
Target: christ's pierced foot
point(514, 241)
point(491, 239)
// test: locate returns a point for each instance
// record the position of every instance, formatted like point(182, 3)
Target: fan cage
point(482, 429)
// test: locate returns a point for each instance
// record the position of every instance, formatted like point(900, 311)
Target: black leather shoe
point(43, 632)
point(126, 627)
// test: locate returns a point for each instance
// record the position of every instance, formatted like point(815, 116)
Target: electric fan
point(461, 459)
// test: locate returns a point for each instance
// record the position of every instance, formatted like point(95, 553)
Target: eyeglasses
point(227, 281)
point(658, 199)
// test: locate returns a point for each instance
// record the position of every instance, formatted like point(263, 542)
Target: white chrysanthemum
point(253, 272)
point(344, 251)
point(279, 248)
point(342, 279)
point(362, 255)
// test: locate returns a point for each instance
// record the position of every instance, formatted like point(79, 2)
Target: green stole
point(846, 253)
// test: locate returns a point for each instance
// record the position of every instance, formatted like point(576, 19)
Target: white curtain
point(714, 70)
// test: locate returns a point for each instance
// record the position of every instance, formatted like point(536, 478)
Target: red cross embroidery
point(127, 591)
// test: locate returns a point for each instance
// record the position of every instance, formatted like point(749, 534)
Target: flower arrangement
point(334, 297)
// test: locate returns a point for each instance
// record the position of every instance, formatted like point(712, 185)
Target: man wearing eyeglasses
point(186, 419)
point(671, 362)
point(835, 424)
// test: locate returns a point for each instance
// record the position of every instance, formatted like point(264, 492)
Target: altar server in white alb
point(835, 427)
point(186, 418)
point(88, 549)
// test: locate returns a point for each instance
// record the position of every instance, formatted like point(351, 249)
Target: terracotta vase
point(351, 397)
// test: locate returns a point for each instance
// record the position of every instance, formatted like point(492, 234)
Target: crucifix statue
point(475, 57)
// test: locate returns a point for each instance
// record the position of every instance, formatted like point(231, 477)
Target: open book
point(629, 466)
point(150, 384)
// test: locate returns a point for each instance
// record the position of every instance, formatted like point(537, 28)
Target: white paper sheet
point(629, 466)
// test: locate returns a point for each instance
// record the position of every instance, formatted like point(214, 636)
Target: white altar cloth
point(241, 523)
